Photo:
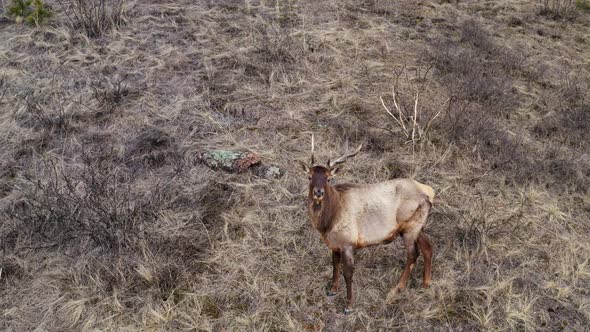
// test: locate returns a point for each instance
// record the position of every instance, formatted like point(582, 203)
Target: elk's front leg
point(335, 273)
point(348, 260)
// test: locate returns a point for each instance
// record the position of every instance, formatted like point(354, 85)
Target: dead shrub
point(10, 268)
point(216, 198)
point(94, 17)
point(558, 9)
point(514, 21)
point(3, 89)
point(95, 201)
point(405, 105)
point(475, 129)
point(569, 126)
point(481, 224)
point(512, 62)
point(473, 33)
point(505, 153)
point(110, 93)
point(40, 113)
point(569, 118)
point(8, 171)
point(573, 88)
point(471, 76)
point(564, 170)
point(477, 73)
point(577, 124)
point(548, 127)
point(500, 151)
point(476, 68)
point(275, 44)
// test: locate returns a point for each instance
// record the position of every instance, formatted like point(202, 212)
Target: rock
point(231, 161)
point(267, 172)
point(240, 161)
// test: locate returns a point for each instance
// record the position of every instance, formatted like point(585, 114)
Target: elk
point(354, 216)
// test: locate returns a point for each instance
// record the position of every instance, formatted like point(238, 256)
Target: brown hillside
point(110, 221)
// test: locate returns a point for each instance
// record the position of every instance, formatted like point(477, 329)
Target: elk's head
point(320, 176)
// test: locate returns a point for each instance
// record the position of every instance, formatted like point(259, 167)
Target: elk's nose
point(318, 192)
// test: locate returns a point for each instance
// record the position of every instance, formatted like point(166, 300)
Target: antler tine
point(312, 158)
point(345, 157)
point(345, 153)
point(346, 146)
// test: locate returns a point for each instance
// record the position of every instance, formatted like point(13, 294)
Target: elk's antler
point(346, 155)
point(312, 158)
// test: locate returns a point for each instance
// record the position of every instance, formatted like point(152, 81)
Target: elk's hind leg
point(426, 248)
point(335, 273)
point(411, 236)
point(411, 256)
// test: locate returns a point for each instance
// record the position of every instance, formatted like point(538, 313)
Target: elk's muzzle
point(318, 194)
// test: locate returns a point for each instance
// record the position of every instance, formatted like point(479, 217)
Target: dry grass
point(93, 17)
point(111, 223)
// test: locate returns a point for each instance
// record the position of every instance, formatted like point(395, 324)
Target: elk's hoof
point(391, 295)
point(330, 292)
point(348, 311)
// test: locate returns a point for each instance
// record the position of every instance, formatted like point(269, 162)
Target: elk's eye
point(309, 177)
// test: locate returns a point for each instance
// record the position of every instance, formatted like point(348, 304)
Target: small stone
point(268, 172)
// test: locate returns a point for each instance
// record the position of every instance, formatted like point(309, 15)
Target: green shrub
point(39, 14)
point(583, 5)
point(19, 9)
point(22, 10)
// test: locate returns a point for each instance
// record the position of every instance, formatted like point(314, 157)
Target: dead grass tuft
point(152, 148)
point(94, 17)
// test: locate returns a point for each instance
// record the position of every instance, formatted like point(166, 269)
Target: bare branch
point(389, 112)
point(398, 109)
point(414, 125)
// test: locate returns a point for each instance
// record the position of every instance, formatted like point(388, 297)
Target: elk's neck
point(324, 215)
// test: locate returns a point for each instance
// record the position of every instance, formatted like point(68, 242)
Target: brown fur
point(326, 213)
point(343, 187)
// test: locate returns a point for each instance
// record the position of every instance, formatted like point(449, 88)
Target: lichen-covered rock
point(268, 172)
point(231, 161)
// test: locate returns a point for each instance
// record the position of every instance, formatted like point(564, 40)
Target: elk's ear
point(305, 167)
point(334, 171)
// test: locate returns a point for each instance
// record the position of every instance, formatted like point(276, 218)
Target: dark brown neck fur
point(326, 212)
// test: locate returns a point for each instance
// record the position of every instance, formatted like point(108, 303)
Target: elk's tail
point(427, 190)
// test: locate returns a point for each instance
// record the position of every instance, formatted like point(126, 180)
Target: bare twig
point(399, 121)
